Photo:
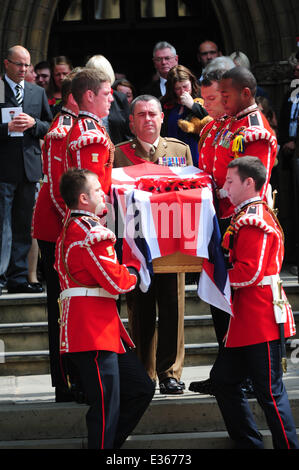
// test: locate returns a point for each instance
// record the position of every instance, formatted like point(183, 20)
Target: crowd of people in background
point(179, 90)
point(188, 113)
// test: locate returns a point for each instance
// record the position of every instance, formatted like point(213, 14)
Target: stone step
point(21, 308)
point(185, 442)
point(29, 336)
point(21, 363)
point(34, 335)
point(29, 417)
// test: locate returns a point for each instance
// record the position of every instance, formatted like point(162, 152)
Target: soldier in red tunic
point(89, 145)
point(262, 317)
point(247, 132)
point(92, 335)
point(213, 104)
point(48, 216)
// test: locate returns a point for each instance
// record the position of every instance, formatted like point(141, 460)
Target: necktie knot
point(152, 150)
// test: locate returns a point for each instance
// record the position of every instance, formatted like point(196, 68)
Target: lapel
point(28, 90)
point(10, 98)
point(160, 151)
point(139, 150)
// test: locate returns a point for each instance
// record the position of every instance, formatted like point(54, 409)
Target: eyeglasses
point(159, 59)
point(19, 64)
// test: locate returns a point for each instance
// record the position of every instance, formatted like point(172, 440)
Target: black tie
point(19, 96)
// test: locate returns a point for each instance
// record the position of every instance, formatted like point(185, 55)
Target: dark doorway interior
point(125, 32)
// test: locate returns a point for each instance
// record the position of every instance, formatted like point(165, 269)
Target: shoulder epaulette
point(126, 142)
point(90, 124)
point(88, 138)
point(176, 141)
point(255, 133)
point(97, 232)
point(252, 217)
point(254, 120)
point(252, 134)
point(58, 133)
point(67, 120)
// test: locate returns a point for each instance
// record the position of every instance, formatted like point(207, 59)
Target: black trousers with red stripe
point(118, 391)
point(261, 363)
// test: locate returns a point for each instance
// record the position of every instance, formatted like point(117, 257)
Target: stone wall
point(265, 30)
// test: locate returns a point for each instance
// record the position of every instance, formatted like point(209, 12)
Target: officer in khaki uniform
point(161, 352)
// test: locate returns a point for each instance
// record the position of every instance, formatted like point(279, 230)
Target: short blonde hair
point(100, 62)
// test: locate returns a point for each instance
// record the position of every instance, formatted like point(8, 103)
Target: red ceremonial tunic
point(256, 252)
point(85, 256)
point(249, 133)
point(90, 147)
point(207, 143)
point(50, 208)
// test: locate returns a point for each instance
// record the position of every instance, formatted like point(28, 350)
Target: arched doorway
point(125, 31)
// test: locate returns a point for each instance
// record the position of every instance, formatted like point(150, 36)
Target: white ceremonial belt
point(279, 302)
point(267, 280)
point(86, 292)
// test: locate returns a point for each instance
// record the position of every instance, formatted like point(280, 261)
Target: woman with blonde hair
point(117, 122)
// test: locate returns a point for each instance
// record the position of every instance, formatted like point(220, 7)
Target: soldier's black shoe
point(25, 288)
point(182, 384)
point(170, 386)
point(204, 387)
point(63, 395)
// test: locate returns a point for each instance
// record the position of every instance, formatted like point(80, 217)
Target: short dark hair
point(42, 65)
point(211, 77)
point(145, 98)
point(72, 183)
point(241, 78)
point(66, 86)
point(87, 79)
point(250, 167)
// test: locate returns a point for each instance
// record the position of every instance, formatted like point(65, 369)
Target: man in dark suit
point(164, 58)
point(21, 128)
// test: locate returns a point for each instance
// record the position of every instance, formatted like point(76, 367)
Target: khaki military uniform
point(161, 351)
point(132, 152)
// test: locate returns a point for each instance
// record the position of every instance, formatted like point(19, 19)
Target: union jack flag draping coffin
point(163, 210)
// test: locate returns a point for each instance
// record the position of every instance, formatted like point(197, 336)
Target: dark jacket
point(20, 157)
point(118, 118)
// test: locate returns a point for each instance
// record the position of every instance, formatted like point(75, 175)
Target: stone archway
point(264, 29)
point(27, 23)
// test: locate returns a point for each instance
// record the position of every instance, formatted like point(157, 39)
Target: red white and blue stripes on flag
point(156, 224)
